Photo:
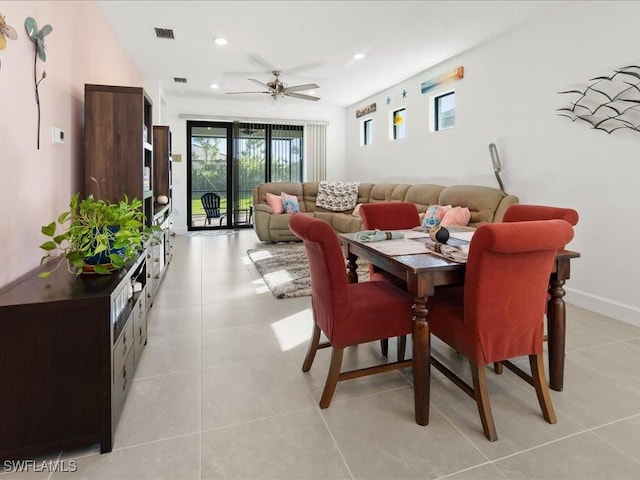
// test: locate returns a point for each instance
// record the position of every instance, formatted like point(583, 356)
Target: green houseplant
point(96, 235)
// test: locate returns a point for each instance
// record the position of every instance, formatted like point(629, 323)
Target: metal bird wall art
point(608, 103)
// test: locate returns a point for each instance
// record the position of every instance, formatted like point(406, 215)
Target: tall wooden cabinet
point(117, 144)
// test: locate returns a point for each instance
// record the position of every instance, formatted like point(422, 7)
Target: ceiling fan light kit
point(278, 89)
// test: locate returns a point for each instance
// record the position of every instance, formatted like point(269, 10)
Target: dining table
point(414, 259)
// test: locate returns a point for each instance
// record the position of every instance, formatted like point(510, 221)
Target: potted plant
point(97, 236)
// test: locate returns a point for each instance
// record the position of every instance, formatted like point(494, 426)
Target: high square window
point(367, 132)
point(398, 124)
point(444, 111)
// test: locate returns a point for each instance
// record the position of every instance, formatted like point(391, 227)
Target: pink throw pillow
point(275, 202)
point(356, 211)
point(456, 217)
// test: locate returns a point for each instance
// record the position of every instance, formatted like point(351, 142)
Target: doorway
point(226, 160)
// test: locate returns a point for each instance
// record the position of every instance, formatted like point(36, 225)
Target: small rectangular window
point(445, 111)
point(367, 131)
point(399, 124)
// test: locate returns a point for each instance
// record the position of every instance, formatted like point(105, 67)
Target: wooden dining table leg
point(352, 268)
point(421, 361)
point(556, 331)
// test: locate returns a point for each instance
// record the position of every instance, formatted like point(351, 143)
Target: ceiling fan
point(278, 90)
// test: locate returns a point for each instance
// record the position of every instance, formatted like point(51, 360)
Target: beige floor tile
point(170, 354)
point(244, 391)
point(379, 439)
point(169, 321)
point(296, 445)
point(160, 407)
point(583, 456)
point(171, 459)
point(484, 472)
point(178, 297)
point(516, 412)
point(624, 435)
point(236, 344)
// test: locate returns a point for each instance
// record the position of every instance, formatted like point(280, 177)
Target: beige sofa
point(486, 204)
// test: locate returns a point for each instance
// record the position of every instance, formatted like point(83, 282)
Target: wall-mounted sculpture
point(608, 103)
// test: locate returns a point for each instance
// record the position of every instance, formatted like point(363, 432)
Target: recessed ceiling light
point(214, 86)
point(359, 56)
point(220, 41)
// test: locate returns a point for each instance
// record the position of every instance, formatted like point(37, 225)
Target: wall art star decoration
point(37, 37)
point(404, 94)
point(6, 31)
point(608, 103)
point(388, 100)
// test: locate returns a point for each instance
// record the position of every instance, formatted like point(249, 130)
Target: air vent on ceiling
point(179, 79)
point(164, 33)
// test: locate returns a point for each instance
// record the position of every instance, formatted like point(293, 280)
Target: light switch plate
point(57, 135)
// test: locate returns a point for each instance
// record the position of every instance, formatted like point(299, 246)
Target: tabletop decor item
point(97, 236)
point(37, 37)
point(439, 234)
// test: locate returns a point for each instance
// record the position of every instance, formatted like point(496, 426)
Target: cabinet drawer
point(139, 332)
point(123, 346)
point(121, 385)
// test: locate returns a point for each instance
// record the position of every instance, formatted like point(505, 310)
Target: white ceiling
point(310, 41)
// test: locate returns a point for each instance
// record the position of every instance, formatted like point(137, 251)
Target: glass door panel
point(208, 175)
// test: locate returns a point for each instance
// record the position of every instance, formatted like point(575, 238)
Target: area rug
point(285, 269)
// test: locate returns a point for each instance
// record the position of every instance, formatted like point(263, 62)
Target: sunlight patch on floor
point(293, 330)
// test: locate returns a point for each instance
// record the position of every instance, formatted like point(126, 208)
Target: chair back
point(211, 203)
point(527, 213)
point(389, 215)
point(329, 284)
point(506, 283)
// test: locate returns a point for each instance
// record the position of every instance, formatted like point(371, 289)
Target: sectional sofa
point(486, 204)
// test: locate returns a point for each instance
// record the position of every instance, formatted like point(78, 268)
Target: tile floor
point(219, 394)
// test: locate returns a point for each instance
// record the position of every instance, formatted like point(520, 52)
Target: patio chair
point(211, 204)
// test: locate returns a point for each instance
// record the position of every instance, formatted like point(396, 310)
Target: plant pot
point(103, 258)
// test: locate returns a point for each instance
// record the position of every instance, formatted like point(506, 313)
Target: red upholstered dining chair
point(499, 313)
point(389, 216)
point(527, 213)
point(348, 314)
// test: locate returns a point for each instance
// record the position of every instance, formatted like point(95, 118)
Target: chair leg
point(480, 390)
point(313, 348)
point(542, 390)
point(498, 368)
point(402, 346)
point(332, 377)
point(384, 346)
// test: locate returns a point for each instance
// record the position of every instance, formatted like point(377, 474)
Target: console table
point(69, 347)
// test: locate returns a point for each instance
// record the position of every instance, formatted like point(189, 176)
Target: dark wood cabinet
point(68, 351)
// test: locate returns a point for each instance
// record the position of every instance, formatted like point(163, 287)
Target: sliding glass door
point(227, 160)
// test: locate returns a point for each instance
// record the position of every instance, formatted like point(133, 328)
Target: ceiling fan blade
point(302, 96)
point(258, 60)
point(237, 93)
point(260, 83)
point(299, 88)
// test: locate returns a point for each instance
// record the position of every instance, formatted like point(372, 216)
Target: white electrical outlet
point(57, 135)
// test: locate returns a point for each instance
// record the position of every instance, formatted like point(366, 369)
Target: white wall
point(225, 110)
point(509, 96)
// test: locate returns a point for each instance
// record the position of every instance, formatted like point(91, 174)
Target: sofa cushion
point(337, 196)
point(275, 202)
point(482, 201)
point(423, 195)
point(290, 203)
point(456, 217)
point(434, 215)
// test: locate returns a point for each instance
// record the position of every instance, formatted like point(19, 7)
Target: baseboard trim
point(619, 311)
